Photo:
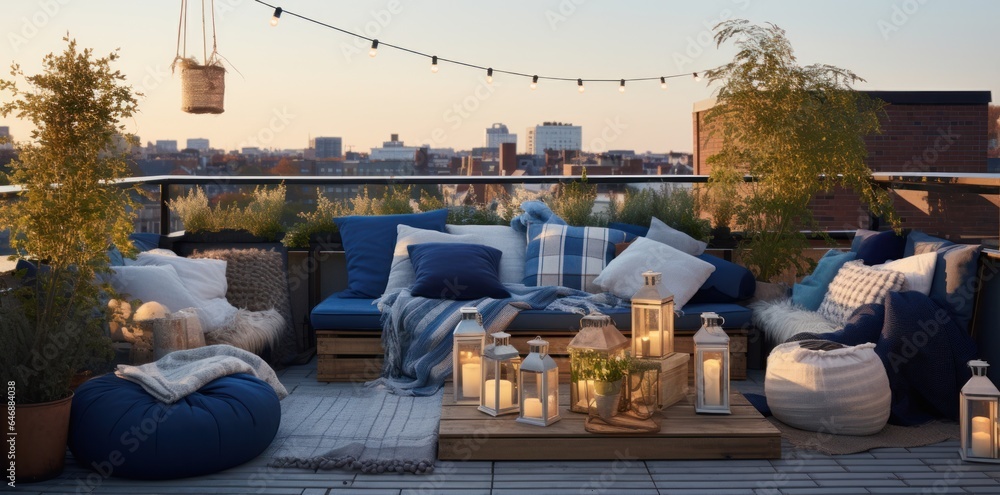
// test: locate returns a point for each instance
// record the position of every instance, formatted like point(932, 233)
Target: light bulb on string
point(489, 75)
point(621, 87)
point(696, 77)
point(434, 64)
point(663, 83)
point(276, 16)
point(534, 82)
point(579, 85)
point(374, 49)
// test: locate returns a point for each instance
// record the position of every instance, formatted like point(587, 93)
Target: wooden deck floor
point(931, 469)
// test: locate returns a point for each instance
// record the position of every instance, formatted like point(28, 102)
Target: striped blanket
point(416, 331)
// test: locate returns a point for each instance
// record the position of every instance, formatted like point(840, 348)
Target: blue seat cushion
point(117, 429)
point(337, 312)
point(340, 313)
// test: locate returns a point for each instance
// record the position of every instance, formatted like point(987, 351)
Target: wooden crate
point(467, 434)
point(357, 356)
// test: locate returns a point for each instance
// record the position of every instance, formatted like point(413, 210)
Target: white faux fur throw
point(780, 320)
point(180, 373)
point(250, 330)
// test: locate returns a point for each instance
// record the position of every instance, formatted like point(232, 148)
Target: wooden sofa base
point(352, 356)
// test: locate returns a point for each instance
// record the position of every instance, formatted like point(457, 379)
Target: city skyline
point(296, 81)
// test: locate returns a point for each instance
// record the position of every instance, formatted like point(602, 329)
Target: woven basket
point(203, 88)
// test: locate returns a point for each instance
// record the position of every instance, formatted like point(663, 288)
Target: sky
point(298, 80)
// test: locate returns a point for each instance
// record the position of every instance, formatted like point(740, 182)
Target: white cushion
point(205, 278)
point(682, 273)
point(160, 283)
point(856, 285)
point(401, 274)
point(842, 391)
point(918, 271)
point(661, 232)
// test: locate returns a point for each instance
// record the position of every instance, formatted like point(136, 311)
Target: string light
point(278, 11)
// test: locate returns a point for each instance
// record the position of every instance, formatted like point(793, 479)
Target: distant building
point(327, 147)
point(5, 140)
point(554, 136)
point(251, 151)
point(200, 144)
point(497, 135)
point(166, 146)
point(393, 149)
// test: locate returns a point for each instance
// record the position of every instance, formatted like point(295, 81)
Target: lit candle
point(712, 377)
point(655, 349)
point(644, 348)
point(506, 390)
point(982, 446)
point(533, 408)
point(471, 379)
point(584, 390)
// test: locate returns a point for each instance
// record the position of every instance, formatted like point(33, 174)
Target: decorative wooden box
point(673, 378)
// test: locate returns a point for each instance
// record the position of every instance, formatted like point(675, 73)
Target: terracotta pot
point(41, 439)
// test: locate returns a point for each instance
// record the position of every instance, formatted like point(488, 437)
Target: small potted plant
point(69, 212)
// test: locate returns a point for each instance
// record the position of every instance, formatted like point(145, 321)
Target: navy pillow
point(446, 270)
point(369, 242)
point(954, 284)
point(729, 282)
point(881, 247)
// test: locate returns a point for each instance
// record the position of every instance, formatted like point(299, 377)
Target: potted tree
point(798, 130)
point(67, 215)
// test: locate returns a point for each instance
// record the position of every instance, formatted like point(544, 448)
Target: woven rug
point(362, 429)
point(890, 436)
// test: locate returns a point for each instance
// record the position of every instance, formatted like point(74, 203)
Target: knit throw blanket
point(416, 331)
point(180, 373)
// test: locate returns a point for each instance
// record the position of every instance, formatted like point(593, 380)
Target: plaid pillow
point(856, 285)
point(568, 256)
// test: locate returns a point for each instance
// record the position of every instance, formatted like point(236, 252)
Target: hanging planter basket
point(203, 88)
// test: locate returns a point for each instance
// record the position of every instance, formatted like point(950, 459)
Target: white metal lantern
point(978, 416)
point(711, 366)
point(652, 319)
point(499, 384)
point(467, 355)
point(539, 382)
point(597, 342)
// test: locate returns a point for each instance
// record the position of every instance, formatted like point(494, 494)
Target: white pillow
point(512, 243)
point(205, 278)
point(153, 284)
point(661, 232)
point(160, 283)
point(682, 273)
point(401, 274)
point(918, 270)
point(856, 285)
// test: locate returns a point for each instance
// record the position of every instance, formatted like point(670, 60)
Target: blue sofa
point(348, 328)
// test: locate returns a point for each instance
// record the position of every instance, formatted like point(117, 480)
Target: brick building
point(922, 132)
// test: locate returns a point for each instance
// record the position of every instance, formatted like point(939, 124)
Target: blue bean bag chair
point(117, 429)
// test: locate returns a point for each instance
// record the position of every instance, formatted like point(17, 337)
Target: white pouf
point(842, 390)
